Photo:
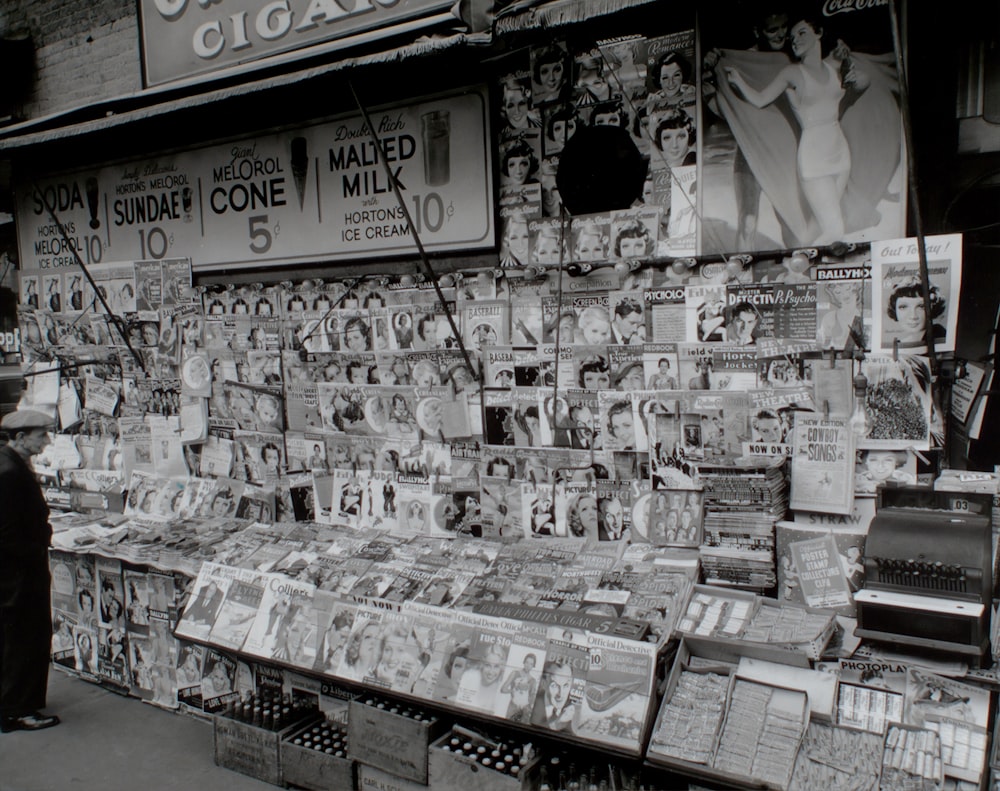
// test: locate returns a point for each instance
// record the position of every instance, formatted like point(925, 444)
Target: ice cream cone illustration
point(300, 167)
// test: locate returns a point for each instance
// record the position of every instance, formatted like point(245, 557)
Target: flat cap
point(23, 419)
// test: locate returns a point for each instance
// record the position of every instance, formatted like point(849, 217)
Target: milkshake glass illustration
point(435, 128)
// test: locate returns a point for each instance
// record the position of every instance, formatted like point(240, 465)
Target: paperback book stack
point(743, 503)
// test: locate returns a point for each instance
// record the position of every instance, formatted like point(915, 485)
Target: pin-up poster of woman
point(802, 136)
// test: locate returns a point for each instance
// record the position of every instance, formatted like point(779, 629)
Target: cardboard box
point(708, 651)
point(453, 771)
point(681, 663)
point(731, 649)
point(372, 779)
point(249, 749)
point(312, 769)
point(385, 739)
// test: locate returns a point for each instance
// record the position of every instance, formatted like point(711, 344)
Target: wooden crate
point(315, 770)
point(372, 779)
point(391, 741)
point(249, 749)
point(452, 771)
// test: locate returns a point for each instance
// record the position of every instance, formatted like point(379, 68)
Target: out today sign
point(185, 38)
point(312, 194)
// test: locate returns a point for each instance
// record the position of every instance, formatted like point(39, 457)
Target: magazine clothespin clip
point(826, 409)
point(895, 350)
point(918, 454)
point(833, 359)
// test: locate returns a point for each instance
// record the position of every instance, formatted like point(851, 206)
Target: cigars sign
point(313, 194)
point(186, 38)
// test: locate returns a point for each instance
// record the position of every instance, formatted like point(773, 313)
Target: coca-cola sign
point(832, 7)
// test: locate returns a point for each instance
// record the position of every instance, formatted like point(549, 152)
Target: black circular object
point(600, 169)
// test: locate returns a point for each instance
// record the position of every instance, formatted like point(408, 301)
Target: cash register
point(929, 572)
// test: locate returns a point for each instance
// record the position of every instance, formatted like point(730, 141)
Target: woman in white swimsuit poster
point(816, 123)
point(814, 88)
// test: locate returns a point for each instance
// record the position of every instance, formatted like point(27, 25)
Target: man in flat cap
point(25, 614)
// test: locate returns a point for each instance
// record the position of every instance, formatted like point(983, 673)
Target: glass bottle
point(860, 421)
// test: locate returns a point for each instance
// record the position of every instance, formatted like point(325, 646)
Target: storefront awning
point(535, 15)
point(42, 130)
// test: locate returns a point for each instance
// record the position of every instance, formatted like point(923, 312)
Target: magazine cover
point(666, 315)
point(147, 668)
point(531, 428)
point(844, 306)
point(899, 314)
point(705, 307)
point(498, 365)
point(112, 656)
point(538, 510)
point(218, 680)
point(190, 662)
point(486, 323)
point(675, 518)
point(626, 367)
point(560, 695)
point(878, 466)
point(619, 685)
point(659, 598)
point(112, 595)
point(63, 646)
point(501, 509)
point(136, 587)
point(820, 565)
point(480, 682)
point(360, 654)
point(334, 621)
point(207, 594)
point(619, 423)
point(238, 610)
point(498, 410)
point(85, 650)
point(627, 314)
point(284, 627)
point(899, 402)
point(63, 570)
point(425, 650)
point(958, 712)
point(522, 673)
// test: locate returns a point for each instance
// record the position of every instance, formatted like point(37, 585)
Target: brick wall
point(85, 52)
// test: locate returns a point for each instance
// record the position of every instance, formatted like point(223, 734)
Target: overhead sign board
point(312, 194)
point(186, 38)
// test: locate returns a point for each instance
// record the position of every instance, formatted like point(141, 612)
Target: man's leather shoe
point(29, 722)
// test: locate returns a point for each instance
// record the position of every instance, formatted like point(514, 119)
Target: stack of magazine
point(743, 502)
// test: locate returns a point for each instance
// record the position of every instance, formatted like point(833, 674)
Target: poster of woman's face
point(915, 306)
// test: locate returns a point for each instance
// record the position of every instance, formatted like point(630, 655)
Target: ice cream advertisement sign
point(186, 38)
point(318, 193)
